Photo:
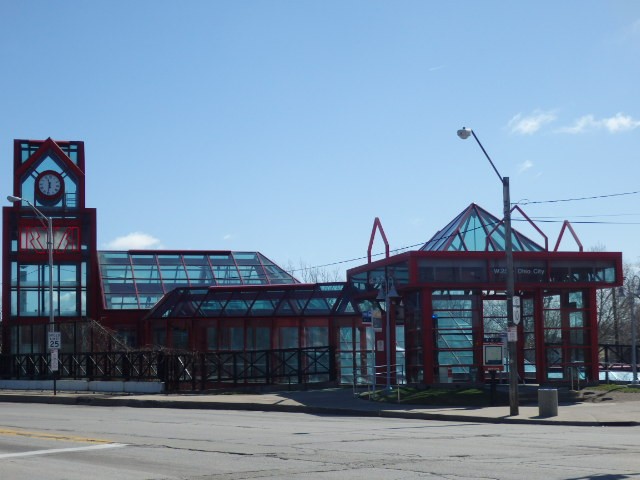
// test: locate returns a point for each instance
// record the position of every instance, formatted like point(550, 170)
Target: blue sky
point(288, 126)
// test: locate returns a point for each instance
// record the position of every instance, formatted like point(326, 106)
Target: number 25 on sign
point(54, 340)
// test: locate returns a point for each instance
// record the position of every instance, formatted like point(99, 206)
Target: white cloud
point(584, 123)
point(618, 123)
point(135, 241)
point(530, 124)
point(524, 166)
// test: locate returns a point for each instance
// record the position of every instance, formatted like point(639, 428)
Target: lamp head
point(393, 293)
point(13, 199)
point(464, 133)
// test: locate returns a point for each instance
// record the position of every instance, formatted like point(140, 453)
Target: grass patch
point(612, 387)
point(459, 397)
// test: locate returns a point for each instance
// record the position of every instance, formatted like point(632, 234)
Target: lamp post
point(634, 282)
point(387, 293)
point(464, 133)
point(47, 222)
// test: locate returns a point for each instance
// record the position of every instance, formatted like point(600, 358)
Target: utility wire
point(526, 201)
point(437, 239)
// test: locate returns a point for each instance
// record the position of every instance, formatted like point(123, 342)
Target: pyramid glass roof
point(138, 279)
point(476, 230)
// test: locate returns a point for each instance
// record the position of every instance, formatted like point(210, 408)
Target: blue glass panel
point(226, 275)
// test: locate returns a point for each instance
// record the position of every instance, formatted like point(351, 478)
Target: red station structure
point(420, 317)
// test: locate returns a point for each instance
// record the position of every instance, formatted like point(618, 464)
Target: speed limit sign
point(55, 340)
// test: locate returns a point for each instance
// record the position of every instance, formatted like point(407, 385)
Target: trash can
point(548, 402)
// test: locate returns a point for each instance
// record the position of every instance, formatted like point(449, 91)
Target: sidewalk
point(339, 401)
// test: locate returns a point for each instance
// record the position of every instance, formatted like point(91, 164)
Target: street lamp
point(635, 281)
point(388, 293)
point(47, 222)
point(464, 133)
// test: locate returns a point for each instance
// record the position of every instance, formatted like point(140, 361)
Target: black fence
point(181, 371)
point(616, 357)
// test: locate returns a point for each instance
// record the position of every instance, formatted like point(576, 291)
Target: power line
point(436, 239)
point(526, 201)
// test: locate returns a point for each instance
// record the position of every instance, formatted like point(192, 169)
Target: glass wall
point(30, 290)
point(139, 280)
point(455, 316)
point(567, 334)
point(413, 337)
point(529, 340)
point(356, 355)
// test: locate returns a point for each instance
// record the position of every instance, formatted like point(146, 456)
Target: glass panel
point(289, 337)
point(68, 303)
point(180, 338)
point(221, 259)
point(200, 275)
point(316, 306)
point(236, 307)
point(246, 258)
point(263, 307)
point(25, 339)
point(147, 273)
point(551, 301)
point(262, 338)
point(160, 337)
point(252, 275)
point(120, 302)
point(576, 300)
point(226, 275)
point(212, 339)
point(143, 259)
point(577, 337)
point(552, 335)
point(576, 319)
point(495, 316)
point(39, 338)
point(68, 275)
point(552, 319)
point(317, 336)
point(30, 304)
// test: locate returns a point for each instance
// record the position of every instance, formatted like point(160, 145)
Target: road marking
point(62, 450)
point(52, 436)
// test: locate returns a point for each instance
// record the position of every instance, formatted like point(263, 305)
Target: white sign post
point(516, 310)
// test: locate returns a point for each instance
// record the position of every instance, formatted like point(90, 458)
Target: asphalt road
point(84, 442)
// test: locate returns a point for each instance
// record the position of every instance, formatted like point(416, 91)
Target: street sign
point(512, 334)
point(516, 310)
point(54, 360)
point(376, 320)
point(55, 340)
point(493, 356)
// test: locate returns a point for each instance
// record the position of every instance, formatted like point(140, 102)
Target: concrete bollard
point(548, 402)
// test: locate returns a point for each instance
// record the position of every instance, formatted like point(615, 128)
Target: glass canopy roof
point(138, 279)
point(267, 301)
point(477, 230)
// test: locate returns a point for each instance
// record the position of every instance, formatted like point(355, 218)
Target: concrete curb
point(106, 401)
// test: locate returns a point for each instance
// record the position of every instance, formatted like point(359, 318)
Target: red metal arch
point(377, 226)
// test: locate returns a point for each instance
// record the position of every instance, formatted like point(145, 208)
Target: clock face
point(49, 184)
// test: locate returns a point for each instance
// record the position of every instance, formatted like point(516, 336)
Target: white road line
point(62, 450)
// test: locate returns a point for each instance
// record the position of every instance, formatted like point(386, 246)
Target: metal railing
point(180, 371)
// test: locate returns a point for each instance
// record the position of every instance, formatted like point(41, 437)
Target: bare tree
point(309, 274)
